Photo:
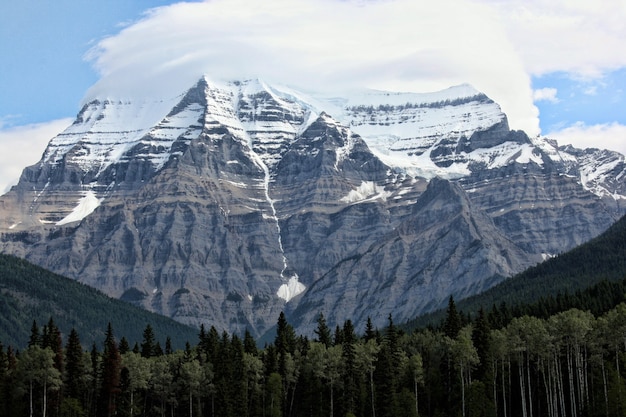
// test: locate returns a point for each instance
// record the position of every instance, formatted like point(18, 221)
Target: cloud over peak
point(400, 45)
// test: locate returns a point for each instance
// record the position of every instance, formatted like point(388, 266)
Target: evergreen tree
point(481, 336)
point(110, 371)
point(148, 343)
point(74, 369)
point(370, 331)
point(249, 344)
point(285, 343)
point(124, 346)
point(35, 337)
point(348, 355)
point(452, 323)
point(322, 331)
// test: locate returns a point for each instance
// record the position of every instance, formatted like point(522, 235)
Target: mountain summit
point(234, 201)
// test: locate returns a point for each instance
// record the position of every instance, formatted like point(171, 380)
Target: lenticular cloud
point(400, 45)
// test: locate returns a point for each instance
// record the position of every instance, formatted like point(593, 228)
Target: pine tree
point(481, 336)
point(74, 369)
point(148, 343)
point(348, 355)
point(322, 331)
point(124, 346)
point(370, 331)
point(249, 344)
point(110, 371)
point(452, 323)
point(285, 343)
point(35, 337)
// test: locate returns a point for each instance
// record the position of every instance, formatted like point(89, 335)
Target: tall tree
point(110, 371)
point(36, 368)
point(148, 344)
point(481, 336)
point(323, 331)
point(74, 369)
point(348, 355)
point(35, 336)
point(452, 323)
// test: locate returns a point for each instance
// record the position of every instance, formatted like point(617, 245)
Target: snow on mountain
point(224, 203)
point(85, 207)
point(426, 135)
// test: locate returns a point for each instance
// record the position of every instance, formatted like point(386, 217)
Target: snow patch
point(86, 206)
point(368, 190)
point(291, 289)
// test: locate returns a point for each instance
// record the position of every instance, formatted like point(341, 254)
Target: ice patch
point(291, 289)
point(85, 207)
point(368, 190)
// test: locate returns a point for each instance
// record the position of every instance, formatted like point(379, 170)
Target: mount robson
point(234, 201)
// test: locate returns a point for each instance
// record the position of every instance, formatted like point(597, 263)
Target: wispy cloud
point(23, 146)
point(546, 94)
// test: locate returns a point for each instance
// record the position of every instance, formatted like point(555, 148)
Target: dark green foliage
point(74, 369)
point(148, 345)
point(28, 295)
point(452, 324)
point(323, 332)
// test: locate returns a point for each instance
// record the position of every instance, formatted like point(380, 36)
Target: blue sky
point(556, 67)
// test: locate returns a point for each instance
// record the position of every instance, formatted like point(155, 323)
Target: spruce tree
point(110, 371)
point(322, 331)
point(124, 346)
point(35, 337)
point(452, 323)
point(148, 343)
point(74, 368)
point(481, 336)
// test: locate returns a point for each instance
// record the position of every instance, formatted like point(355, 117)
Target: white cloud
point(495, 45)
point(605, 136)
point(316, 44)
point(574, 36)
point(546, 94)
point(23, 146)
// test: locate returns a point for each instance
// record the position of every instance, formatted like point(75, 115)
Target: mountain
point(28, 292)
point(594, 265)
point(234, 201)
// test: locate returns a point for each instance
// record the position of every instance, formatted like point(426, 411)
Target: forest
point(570, 363)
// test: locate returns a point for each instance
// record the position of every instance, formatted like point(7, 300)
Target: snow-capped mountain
point(233, 201)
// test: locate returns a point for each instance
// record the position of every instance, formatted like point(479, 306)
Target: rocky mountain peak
point(235, 200)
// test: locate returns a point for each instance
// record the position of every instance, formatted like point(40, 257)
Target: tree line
point(568, 364)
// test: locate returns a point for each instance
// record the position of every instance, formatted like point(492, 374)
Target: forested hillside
point(29, 293)
point(549, 285)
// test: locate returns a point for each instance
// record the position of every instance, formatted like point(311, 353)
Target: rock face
point(235, 201)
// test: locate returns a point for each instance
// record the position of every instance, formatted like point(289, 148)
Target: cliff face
point(232, 202)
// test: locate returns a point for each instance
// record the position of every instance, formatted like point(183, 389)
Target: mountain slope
point(234, 201)
point(28, 293)
point(602, 258)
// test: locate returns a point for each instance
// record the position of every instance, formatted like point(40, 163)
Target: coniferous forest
point(571, 363)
